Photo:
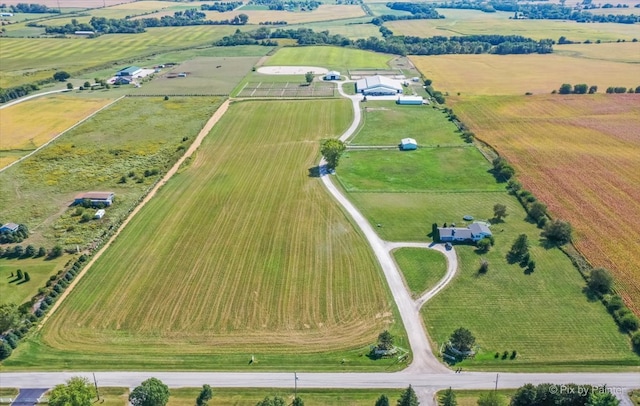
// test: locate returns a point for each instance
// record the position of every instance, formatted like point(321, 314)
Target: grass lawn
point(205, 75)
point(328, 57)
point(422, 268)
point(470, 397)
point(39, 269)
point(437, 169)
point(475, 74)
point(311, 397)
point(130, 137)
point(386, 123)
point(260, 262)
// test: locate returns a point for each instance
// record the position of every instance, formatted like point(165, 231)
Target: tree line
point(419, 11)
point(399, 45)
point(29, 8)
point(307, 5)
point(103, 25)
point(540, 11)
point(583, 88)
point(221, 6)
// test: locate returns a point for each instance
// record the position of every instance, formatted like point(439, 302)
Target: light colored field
point(421, 268)
point(12, 291)
point(324, 12)
point(259, 262)
point(545, 316)
point(476, 74)
point(28, 125)
point(354, 28)
point(29, 59)
point(615, 11)
point(205, 75)
point(328, 57)
point(579, 155)
point(628, 52)
point(468, 22)
point(82, 4)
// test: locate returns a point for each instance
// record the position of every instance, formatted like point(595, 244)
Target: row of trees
point(221, 6)
point(30, 251)
point(622, 89)
point(29, 8)
point(304, 5)
point(581, 88)
point(15, 92)
point(419, 11)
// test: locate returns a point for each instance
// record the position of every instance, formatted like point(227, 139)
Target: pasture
point(205, 75)
point(124, 140)
point(386, 123)
point(18, 291)
point(579, 155)
point(23, 130)
point(422, 268)
point(473, 22)
point(328, 57)
point(27, 60)
point(259, 262)
point(476, 74)
point(354, 28)
point(287, 89)
point(544, 316)
point(439, 169)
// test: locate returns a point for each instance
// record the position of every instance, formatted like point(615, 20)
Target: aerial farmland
point(268, 229)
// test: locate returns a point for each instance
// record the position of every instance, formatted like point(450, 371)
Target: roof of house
point(406, 141)
point(455, 232)
point(11, 226)
point(333, 73)
point(95, 195)
point(415, 98)
point(378, 81)
point(479, 228)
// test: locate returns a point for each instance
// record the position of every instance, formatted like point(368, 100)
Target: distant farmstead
point(84, 33)
point(129, 71)
point(9, 227)
point(408, 144)
point(96, 198)
point(475, 232)
point(378, 86)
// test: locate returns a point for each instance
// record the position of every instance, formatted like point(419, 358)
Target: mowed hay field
point(485, 74)
point(328, 57)
point(579, 155)
point(473, 22)
point(23, 129)
point(240, 254)
point(26, 60)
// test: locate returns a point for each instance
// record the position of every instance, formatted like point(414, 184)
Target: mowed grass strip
point(17, 291)
point(544, 316)
point(242, 253)
point(474, 22)
point(328, 57)
point(436, 169)
point(22, 128)
point(26, 60)
point(579, 155)
point(422, 268)
point(476, 74)
point(386, 123)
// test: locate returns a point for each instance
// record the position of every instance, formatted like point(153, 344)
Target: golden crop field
point(469, 22)
point(518, 74)
point(28, 125)
point(241, 252)
point(579, 155)
point(628, 52)
point(324, 12)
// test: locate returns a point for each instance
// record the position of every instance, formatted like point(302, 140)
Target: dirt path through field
point(196, 143)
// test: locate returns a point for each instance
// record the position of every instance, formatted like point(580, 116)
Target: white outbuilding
point(332, 75)
point(99, 214)
point(378, 86)
point(408, 144)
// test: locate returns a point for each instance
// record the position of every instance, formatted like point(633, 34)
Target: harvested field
point(259, 261)
point(287, 89)
point(73, 3)
point(204, 76)
point(354, 28)
point(476, 74)
point(628, 52)
point(328, 57)
point(472, 22)
point(579, 155)
point(21, 129)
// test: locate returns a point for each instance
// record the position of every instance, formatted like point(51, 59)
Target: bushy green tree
point(78, 391)
point(61, 76)
point(151, 392)
point(9, 316)
point(205, 396)
point(383, 400)
point(448, 398)
point(408, 398)
point(462, 339)
point(309, 77)
point(602, 398)
point(332, 149)
point(557, 232)
point(499, 211)
point(519, 249)
point(297, 401)
point(600, 281)
point(491, 399)
point(5, 350)
point(385, 340)
point(483, 245)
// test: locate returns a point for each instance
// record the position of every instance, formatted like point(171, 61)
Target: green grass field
point(470, 397)
point(421, 268)
point(29, 59)
point(131, 136)
point(328, 57)
point(352, 28)
point(39, 269)
point(205, 75)
point(440, 169)
point(473, 22)
point(386, 123)
point(258, 261)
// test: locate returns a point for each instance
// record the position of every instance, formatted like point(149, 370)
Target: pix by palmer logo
point(583, 390)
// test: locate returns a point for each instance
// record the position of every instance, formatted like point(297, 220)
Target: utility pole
point(497, 375)
point(295, 385)
point(96, 384)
